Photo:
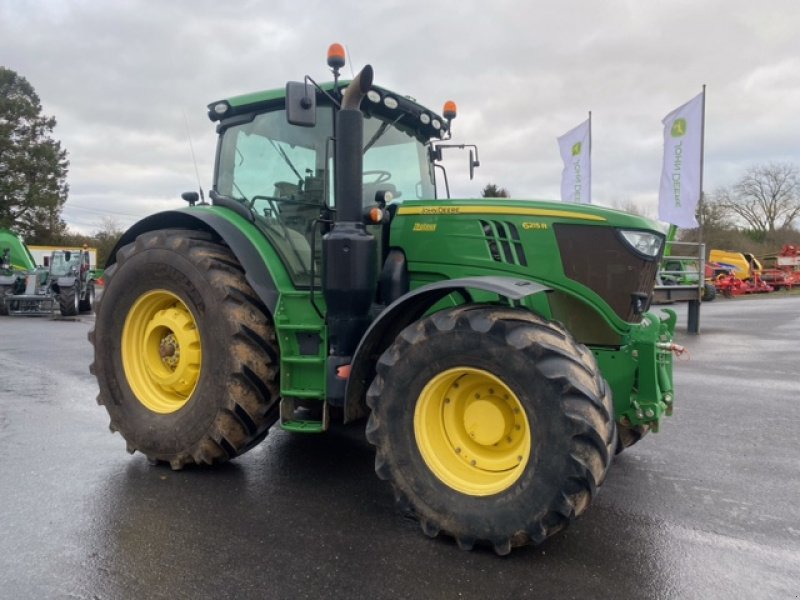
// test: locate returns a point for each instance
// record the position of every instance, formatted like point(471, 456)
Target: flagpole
point(590, 156)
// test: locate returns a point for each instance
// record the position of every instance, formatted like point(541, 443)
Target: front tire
point(493, 425)
point(185, 354)
point(68, 300)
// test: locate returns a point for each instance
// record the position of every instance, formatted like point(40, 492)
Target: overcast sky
point(120, 76)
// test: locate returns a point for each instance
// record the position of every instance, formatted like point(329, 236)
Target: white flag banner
point(681, 172)
point(576, 152)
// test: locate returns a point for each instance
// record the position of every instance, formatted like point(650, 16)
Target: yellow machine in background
point(744, 264)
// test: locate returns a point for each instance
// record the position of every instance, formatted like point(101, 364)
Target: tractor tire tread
point(67, 301)
point(250, 406)
point(587, 405)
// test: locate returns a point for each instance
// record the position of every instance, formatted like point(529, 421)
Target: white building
point(41, 254)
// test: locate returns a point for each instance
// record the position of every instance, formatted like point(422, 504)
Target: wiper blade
point(378, 134)
point(285, 156)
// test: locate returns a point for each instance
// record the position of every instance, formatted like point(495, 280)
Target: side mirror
point(301, 104)
point(473, 162)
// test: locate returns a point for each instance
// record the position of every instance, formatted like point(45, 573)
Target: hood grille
point(598, 258)
point(503, 242)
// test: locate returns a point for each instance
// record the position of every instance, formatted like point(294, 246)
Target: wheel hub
point(486, 421)
point(161, 351)
point(472, 431)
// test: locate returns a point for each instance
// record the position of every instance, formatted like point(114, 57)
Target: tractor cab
point(284, 174)
point(65, 262)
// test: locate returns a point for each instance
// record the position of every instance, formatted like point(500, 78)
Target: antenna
point(350, 62)
point(194, 159)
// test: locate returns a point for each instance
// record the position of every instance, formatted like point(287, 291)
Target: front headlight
point(643, 242)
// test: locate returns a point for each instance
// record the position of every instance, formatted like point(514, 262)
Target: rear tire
point(709, 292)
point(85, 305)
point(68, 300)
point(185, 354)
point(492, 424)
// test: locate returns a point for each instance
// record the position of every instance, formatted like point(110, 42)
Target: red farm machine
point(782, 269)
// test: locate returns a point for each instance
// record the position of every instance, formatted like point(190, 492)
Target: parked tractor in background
point(502, 350)
point(66, 285)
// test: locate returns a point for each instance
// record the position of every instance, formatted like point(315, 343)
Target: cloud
point(124, 79)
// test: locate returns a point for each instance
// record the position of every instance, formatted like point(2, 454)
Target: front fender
point(256, 271)
point(409, 308)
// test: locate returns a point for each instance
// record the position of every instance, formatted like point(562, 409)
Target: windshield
point(395, 161)
point(60, 266)
point(284, 173)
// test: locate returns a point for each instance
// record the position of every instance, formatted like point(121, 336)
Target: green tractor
point(500, 350)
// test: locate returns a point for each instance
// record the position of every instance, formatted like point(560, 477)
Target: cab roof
point(389, 105)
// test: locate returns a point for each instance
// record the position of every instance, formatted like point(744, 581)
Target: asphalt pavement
point(707, 508)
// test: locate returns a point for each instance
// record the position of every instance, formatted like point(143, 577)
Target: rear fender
point(409, 308)
point(256, 271)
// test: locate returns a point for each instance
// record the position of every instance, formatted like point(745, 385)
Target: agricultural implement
point(743, 265)
point(500, 350)
point(782, 270)
point(15, 262)
point(730, 285)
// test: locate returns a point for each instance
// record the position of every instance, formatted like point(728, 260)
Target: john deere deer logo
point(678, 128)
point(576, 149)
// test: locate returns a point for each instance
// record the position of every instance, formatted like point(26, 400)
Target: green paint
point(21, 258)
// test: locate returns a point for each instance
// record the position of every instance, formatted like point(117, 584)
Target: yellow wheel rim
point(161, 351)
point(472, 431)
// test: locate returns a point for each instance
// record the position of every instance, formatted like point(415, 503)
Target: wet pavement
point(708, 508)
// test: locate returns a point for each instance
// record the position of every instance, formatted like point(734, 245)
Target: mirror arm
point(321, 91)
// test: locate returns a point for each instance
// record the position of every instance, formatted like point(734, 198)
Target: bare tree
point(766, 198)
point(628, 205)
point(106, 237)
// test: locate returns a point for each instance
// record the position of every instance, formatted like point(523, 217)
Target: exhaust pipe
point(350, 148)
point(349, 263)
